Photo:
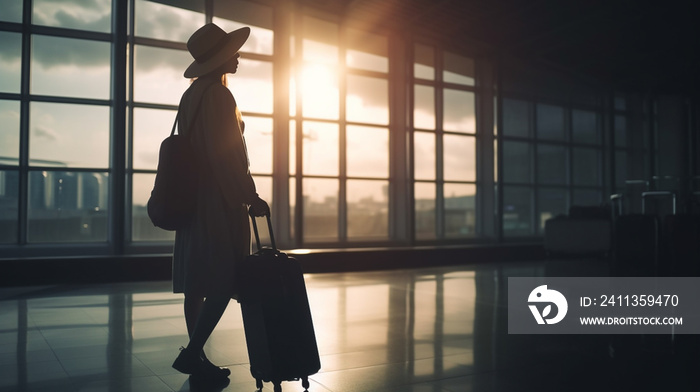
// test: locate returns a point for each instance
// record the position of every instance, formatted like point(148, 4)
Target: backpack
point(174, 195)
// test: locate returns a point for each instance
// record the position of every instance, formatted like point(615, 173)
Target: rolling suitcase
point(682, 240)
point(276, 317)
point(636, 243)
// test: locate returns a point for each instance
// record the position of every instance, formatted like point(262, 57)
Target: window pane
point(320, 148)
point(70, 67)
point(67, 207)
point(424, 155)
point(516, 118)
point(58, 135)
point(142, 228)
point(10, 61)
point(460, 210)
point(9, 132)
point(252, 86)
point(367, 151)
point(586, 167)
point(172, 23)
point(585, 126)
point(550, 122)
point(320, 43)
point(517, 162)
point(320, 209)
point(552, 202)
point(424, 107)
point(552, 164)
point(95, 15)
point(517, 211)
point(11, 11)
point(425, 209)
point(158, 74)
point(587, 197)
point(367, 100)
point(233, 14)
point(458, 69)
point(258, 137)
point(9, 205)
point(367, 51)
point(620, 131)
point(459, 111)
point(368, 209)
point(424, 62)
point(459, 158)
point(151, 127)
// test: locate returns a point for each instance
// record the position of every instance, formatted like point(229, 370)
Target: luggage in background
point(276, 317)
point(636, 245)
point(569, 236)
point(681, 234)
point(636, 239)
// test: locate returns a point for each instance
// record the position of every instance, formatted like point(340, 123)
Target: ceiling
point(632, 44)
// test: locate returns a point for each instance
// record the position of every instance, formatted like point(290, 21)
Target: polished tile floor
point(421, 330)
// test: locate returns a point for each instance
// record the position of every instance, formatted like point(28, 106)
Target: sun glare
point(319, 84)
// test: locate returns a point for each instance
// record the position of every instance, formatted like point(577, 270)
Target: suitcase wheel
point(305, 383)
point(258, 384)
point(278, 387)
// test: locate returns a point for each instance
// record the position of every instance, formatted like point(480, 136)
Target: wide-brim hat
point(211, 46)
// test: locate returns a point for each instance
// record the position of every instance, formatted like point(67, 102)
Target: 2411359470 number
point(639, 300)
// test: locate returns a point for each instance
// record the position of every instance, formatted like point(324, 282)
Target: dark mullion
point(158, 43)
point(534, 163)
point(23, 202)
point(129, 124)
point(145, 105)
point(117, 204)
point(408, 117)
point(569, 132)
point(298, 64)
point(71, 33)
point(342, 139)
point(70, 100)
point(439, 148)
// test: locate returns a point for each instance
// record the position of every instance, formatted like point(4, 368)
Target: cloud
point(53, 52)
point(45, 133)
point(11, 44)
point(92, 15)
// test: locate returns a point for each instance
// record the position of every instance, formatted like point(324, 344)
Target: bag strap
point(196, 112)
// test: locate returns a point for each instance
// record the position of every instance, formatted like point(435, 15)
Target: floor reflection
point(439, 330)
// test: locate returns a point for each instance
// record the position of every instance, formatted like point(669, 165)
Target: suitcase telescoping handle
point(269, 228)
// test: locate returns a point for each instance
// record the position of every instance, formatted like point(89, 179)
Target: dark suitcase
point(682, 244)
point(276, 317)
point(636, 245)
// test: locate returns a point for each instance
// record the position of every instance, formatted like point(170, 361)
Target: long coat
point(205, 253)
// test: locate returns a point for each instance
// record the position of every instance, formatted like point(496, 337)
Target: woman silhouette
point(206, 252)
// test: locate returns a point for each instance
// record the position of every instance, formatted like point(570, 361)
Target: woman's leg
point(193, 307)
point(211, 311)
point(200, 325)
